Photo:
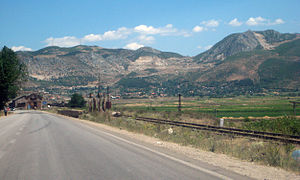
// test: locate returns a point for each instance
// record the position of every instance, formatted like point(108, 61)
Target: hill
point(82, 65)
point(256, 70)
point(244, 42)
point(252, 61)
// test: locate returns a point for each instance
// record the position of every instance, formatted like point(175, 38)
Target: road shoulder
point(210, 160)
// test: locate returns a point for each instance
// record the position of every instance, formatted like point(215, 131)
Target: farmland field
point(271, 106)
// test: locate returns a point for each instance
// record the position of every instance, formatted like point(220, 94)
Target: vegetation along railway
point(294, 139)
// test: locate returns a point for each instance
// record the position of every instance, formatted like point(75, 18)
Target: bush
point(284, 125)
point(76, 101)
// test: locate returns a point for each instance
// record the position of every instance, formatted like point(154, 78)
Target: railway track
point(226, 130)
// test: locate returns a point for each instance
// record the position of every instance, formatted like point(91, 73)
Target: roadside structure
point(32, 101)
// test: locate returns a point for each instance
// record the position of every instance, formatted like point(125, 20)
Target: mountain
point(82, 65)
point(244, 42)
point(240, 63)
point(276, 68)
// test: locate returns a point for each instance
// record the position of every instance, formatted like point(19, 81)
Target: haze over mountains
point(267, 59)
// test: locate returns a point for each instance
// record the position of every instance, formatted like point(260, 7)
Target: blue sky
point(184, 26)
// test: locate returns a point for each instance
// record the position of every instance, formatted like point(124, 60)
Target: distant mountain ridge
point(263, 59)
point(54, 62)
point(244, 42)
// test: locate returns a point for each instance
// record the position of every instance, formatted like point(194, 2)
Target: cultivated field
point(245, 107)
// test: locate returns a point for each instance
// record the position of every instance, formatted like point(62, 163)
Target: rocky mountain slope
point(72, 64)
point(264, 59)
point(244, 42)
point(273, 68)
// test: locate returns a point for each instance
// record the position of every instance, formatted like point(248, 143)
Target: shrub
point(285, 125)
point(76, 101)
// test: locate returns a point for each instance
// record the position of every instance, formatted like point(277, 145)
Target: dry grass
point(253, 150)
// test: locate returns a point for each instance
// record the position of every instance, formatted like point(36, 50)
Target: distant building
point(32, 101)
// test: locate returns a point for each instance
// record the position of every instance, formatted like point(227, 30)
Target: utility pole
point(294, 106)
point(179, 98)
point(179, 102)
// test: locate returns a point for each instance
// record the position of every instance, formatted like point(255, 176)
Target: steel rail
point(256, 134)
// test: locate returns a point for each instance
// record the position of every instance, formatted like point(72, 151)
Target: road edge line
point(164, 155)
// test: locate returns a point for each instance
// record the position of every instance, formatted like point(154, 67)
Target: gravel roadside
point(250, 169)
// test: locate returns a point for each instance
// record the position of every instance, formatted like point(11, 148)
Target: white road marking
point(164, 155)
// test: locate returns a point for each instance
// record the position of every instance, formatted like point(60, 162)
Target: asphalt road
point(41, 146)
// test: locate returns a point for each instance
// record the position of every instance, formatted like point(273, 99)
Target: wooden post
point(294, 106)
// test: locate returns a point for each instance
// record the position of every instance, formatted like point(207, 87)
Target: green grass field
point(272, 106)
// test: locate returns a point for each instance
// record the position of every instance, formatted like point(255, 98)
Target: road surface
point(36, 145)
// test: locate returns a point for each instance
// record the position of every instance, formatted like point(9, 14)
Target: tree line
point(12, 73)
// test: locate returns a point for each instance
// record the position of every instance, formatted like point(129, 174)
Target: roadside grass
point(253, 150)
point(284, 124)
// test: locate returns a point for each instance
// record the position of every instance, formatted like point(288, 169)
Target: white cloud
point(210, 23)
point(141, 34)
point(133, 46)
point(205, 47)
point(278, 21)
point(146, 39)
point(67, 41)
point(92, 38)
point(262, 21)
point(256, 21)
point(20, 48)
point(208, 47)
point(207, 25)
point(146, 29)
point(198, 29)
point(166, 30)
point(121, 33)
point(235, 22)
point(186, 34)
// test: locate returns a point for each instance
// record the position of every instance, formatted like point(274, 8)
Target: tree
point(12, 74)
point(76, 101)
